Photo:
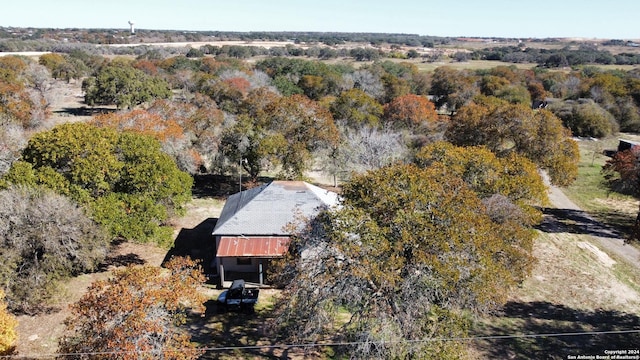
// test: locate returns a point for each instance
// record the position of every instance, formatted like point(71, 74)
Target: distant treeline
point(317, 45)
point(108, 36)
point(554, 58)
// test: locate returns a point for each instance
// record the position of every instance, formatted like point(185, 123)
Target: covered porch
point(248, 258)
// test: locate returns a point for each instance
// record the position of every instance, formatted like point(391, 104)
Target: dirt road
point(569, 216)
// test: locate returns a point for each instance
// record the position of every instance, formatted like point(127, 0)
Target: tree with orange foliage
point(15, 103)
point(136, 313)
point(188, 131)
point(142, 122)
point(164, 129)
point(410, 111)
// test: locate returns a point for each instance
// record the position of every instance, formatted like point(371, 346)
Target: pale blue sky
point(618, 19)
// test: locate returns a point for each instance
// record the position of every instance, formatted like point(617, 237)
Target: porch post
point(221, 271)
point(260, 274)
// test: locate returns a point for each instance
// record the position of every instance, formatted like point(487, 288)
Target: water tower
point(131, 23)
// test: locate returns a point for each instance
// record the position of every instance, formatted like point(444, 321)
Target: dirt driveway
point(568, 214)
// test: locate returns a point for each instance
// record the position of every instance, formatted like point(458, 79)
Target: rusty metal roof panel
point(253, 246)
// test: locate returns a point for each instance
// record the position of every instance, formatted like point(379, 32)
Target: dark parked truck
point(239, 297)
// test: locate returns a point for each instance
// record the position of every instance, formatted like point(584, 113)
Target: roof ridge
point(270, 207)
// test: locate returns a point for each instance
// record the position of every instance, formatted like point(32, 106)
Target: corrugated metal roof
point(257, 246)
point(268, 209)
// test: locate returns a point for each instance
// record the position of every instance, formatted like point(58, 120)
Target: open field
point(590, 194)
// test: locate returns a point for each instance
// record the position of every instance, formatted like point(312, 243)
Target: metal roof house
point(253, 226)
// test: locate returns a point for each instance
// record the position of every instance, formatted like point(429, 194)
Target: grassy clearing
point(572, 289)
point(592, 195)
point(470, 65)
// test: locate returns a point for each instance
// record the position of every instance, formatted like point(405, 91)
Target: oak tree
point(453, 88)
point(120, 84)
point(356, 109)
point(410, 112)
point(202, 123)
point(415, 250)
point(135, 314)
point(299, 127)
point(585, 118)
point(131, 186)
point(504, 128)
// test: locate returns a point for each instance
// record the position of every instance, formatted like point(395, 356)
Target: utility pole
point(240, 171)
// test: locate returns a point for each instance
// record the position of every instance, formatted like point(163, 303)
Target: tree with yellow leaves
point(8, 325)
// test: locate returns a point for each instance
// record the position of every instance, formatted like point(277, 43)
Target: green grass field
point(590, 192)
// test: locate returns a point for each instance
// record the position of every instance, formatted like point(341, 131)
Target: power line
point(335, 344)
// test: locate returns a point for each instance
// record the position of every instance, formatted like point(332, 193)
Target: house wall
point(231, 264)
point(256, 272)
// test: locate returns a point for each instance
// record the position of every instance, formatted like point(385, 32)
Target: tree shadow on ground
point(228, 334)
point(197, 243)
point(575, 222)
point(221, 186)
point(552, 332)
point(85, 111)
point(120, 259)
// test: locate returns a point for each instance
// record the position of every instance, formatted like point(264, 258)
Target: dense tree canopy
point(411, 112)
point(513, 176)
point(355, 108)
point(585, 118)
point(135, 314)
point(120, 84)
point(414, 250)
point(505, 128)
point(452, 88)
point(129, 183)
point(299, 126)
point(63, 66)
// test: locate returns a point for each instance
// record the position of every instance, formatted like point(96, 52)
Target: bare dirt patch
point(576, 274)
point(624, 206)
point(67, 103)
point(599, 255)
